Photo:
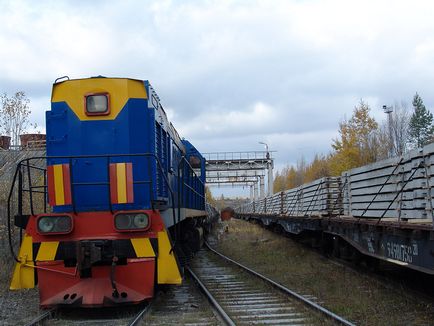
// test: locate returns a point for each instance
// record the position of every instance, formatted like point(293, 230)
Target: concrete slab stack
point(319, 197)
point(398, 188)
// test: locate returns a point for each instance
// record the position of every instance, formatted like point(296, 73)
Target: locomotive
point(119, 198)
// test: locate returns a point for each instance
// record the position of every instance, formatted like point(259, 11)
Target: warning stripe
point(51, 191)
point(121, 183)
point(47, 251)
point(59, 185)
point(113, 184)
point(121, 178)
point(67, 184)
point(130, 191)
point(143, 247)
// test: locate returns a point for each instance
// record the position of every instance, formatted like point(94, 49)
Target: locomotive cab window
point(195, 163)
point(97, 104)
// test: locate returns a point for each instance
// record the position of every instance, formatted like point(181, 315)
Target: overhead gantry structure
point(241, 169)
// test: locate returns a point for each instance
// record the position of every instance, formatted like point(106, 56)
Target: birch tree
point(14, 115)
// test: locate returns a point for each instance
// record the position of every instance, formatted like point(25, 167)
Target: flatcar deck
point(408, 244)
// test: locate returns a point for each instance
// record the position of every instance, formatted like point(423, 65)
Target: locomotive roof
point(62, 79)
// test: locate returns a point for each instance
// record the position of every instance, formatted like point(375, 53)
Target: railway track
point(243, 296)
point(78, 317)
point(183, 305)
point(238, 295)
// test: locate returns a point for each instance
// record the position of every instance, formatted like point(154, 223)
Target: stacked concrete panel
point(275, 203)
point(399, 187)
point(320, 197)
point(246, 208)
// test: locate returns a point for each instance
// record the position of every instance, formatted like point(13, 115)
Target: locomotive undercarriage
point(188, 238)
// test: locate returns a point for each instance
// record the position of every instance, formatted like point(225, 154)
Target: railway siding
point(383, 210)
point(406, 244)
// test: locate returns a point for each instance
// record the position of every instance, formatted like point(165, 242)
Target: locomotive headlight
point(97, 104)
point(131, 221)
point(123, 221)
point(46, 224)
point(141, 221)
point(54, 224)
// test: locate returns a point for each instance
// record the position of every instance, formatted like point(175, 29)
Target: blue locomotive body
point(141, 126)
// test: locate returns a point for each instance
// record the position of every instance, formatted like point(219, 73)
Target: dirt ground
point(359, 298)
point(16, 307)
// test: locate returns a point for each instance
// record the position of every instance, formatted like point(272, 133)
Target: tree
point(292, 176)
point(357, 143)
point(279, 182)
point(208, 196)
point(14, 115)
point(421, 127)
point(317, 169)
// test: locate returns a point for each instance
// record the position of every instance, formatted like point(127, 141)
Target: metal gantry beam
point(234, 173)
point(251, 179)
point(241, 168)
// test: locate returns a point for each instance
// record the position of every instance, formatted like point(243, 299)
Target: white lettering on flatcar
point(402, 252)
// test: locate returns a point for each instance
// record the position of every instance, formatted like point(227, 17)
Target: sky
point(230, 74)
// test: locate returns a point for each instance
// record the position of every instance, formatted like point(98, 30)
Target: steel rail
point(299, 297)
point(45, 315)
point(138, 318)
point(212, 300)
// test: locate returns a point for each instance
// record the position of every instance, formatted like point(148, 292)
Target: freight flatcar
point(381, 212)
point(118, 202)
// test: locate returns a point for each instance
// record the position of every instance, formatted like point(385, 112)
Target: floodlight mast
point(388, 110)
point(270, 169)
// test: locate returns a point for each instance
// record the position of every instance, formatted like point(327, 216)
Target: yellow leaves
point(357, 145)
point(319, 168)
point(291, 177)
point(208, 197)
point(279, 182)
